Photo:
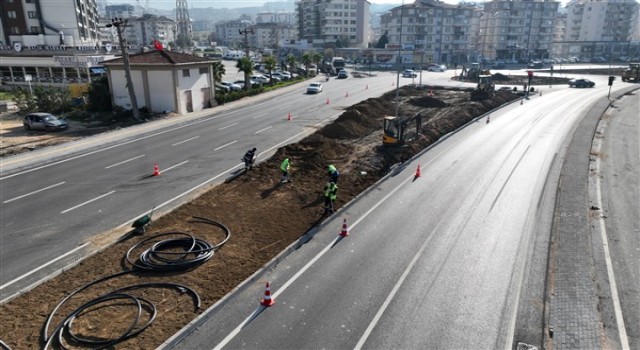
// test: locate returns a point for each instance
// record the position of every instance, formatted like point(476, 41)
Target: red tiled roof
point(160, 57)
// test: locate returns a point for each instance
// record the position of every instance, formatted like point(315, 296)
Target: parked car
point(535, 65)
point(223, 88)
point(280, 76)
point(43, 121)
point(409, 73)
point(252, 82)
point(260, 79)
point(343, 74)
point(580, 83)
point(438, 68)
point(314, 88)
point(231, 86)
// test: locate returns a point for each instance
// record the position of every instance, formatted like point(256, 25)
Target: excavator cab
point(396, 129)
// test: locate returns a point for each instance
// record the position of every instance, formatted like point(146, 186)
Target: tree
point(270, 64)
point(307, 59)
point(383, 41)
point(317, 57)
point(291, 62)
point(329, 54)
point(218, 71)
point(245, 66)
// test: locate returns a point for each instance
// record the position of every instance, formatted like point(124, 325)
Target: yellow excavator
point(397, 129)
point(485, 88)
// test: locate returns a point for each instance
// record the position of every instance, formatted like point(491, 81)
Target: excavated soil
point(262, 215)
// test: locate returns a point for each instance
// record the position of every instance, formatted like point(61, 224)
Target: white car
point(231, 86)
point(409, 73)
point(260, 79)
point(440, 68)
point(314, 88)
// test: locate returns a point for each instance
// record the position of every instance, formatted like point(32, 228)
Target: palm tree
point(317, 57)
point(218, 71)
point(245, 66)
point(307, 59)
point(270, 64)
point(291, 62)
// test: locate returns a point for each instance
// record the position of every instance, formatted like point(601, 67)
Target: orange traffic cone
point(156, 170)
point(267, 301)
point(489, 119)
point(347, 94)
point(418, 172)
point(430, 92)
point(327, 100)
point(345, 230)
point(289, 116)
point(367, 88)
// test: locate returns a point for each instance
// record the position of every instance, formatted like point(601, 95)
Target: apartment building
point(229, 33)
point(601, 28)
point(328, 21)
point(144, 30)
point(272, 35)
point(284, 17)
point(518, 30)
point(48, 22)
point(433, 31)
point(119, 11)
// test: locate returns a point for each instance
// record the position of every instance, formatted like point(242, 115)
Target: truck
point(632, 73)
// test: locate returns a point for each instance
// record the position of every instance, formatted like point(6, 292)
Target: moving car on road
point(438, 68)
point(43, 121)
point(409, 73)
point(580, 83)
point(343, 74)
point(314, 88)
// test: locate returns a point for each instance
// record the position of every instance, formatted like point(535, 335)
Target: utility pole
point(246, 33)
point(118, 23)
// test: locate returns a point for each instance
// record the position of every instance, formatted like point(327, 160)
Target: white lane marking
point(622, 331)
point(125, 161)
point(259, 115)
point(177, 165)
point(87, 202)
point(225, 145)
point(261, 130)
point(113, 146)
point(228, 126)
point(187, 140)
point(231, 335)
point(34, 192)
point(288, 283)
point(43, 266)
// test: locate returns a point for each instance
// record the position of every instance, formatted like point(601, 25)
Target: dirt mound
point(500, 77)
point(427, 102)
point(263, 215)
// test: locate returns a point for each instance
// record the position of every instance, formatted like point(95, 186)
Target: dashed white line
point(43, 266)
point(87, 202)
point(261, 130)
point(125, 161)
point(228, 126)
point(259, 115)
point(177, 165)
point(34, 192)
point(187, 140)
point(225, 145)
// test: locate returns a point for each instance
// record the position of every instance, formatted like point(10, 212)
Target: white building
point(163, 81)
point(229, 33)
point(332, 20)
point(144, 30)
point(603, 28)
point(284, 17)
point(49, 23)
point(272, 35)
point(437, 31)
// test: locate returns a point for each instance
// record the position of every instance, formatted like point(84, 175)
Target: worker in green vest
point(330, 195)
point(333, 173)
point(285, 167)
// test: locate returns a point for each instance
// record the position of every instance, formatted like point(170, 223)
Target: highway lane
point(439, 262)
point(62, 206)
point(619, 161)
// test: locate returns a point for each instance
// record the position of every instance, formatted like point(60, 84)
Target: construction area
point(246, 222)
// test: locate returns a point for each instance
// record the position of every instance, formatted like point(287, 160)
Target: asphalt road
point(57, 202)
point(444, 261)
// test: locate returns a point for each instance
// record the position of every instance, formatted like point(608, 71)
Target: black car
point(581, 83)
point(43, 121)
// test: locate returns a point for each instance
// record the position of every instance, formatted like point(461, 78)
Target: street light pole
point(118, 23)
point(399, 60)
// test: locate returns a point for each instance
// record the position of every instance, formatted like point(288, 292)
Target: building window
point(11, 14)
point(14, 30)
point(186, 73)
point(32, 14)
point(35, 30)
point(203, 70)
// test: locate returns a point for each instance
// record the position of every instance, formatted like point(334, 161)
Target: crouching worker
point(249, 158)
point(330, 194)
